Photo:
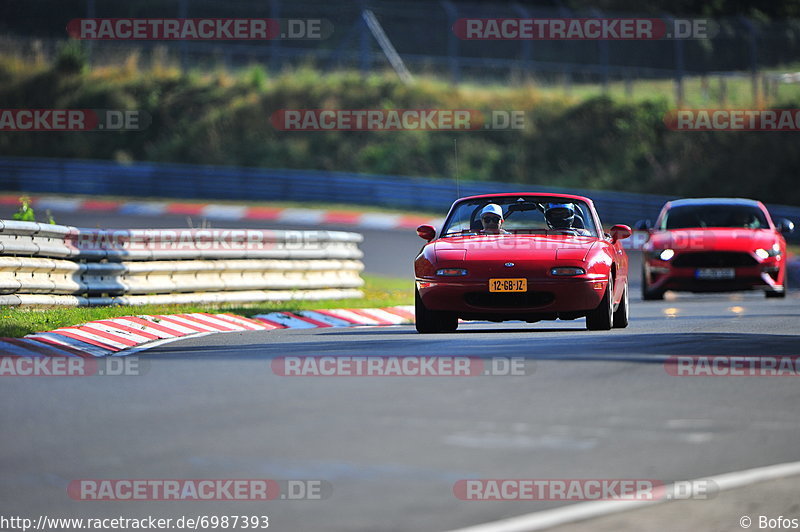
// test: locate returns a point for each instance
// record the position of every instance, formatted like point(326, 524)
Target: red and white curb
point(124, 336)
point(211, 211)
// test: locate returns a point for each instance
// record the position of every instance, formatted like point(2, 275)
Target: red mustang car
point(523, 256)
point(714, 245)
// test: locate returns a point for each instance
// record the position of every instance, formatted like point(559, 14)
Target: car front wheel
point(432, 321)
point(649, 294)
point(622, 313)
point(602, 318)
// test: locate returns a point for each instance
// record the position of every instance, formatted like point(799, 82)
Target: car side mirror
point(426, 232)
point(643, 225)
point(620, 232)
point(785, 226)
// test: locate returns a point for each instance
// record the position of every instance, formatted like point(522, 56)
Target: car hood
point(720, 239)
point(514, 247)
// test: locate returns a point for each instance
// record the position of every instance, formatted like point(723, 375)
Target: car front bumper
point(761, 277)
point(549, 298)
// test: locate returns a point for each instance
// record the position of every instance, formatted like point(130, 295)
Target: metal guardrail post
point(386, 45)
point(275, 44)
point(526, 43)
point(183, 12)
point(453, 44)
point(363, 42)
point(91, 12)
point(680, 64)
point(752, 33)
point(605, 54)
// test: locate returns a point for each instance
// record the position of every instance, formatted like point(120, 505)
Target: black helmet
point(560, 215)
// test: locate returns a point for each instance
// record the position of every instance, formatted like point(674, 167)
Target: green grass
point(572, 138)
point(378, 292)
point(738, 92)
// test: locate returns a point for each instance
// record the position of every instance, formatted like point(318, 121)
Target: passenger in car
point(492, 219)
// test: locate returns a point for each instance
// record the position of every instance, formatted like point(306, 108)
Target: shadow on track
point(647, 348)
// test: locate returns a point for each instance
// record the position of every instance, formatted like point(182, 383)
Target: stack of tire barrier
point(44, 264)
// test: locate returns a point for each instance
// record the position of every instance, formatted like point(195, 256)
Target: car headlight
point(662, 254)
point(567, 271)
point(451, 272)
point(774, 251)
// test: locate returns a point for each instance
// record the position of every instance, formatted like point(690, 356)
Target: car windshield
point(521, 214)
point(694, 216)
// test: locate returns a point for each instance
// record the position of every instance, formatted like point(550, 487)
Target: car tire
point(649, 294)
point(771, 294)
point(622, 314)
point(449, 322)
point(432, 321)
point(602, 318)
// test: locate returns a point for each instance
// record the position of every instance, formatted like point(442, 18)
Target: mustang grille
point(712, 259)
point(508, 300)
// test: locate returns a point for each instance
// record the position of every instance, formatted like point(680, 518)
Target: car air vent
point(713, 259)
point(509, 300)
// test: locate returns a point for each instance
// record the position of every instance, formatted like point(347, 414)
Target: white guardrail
point(43, 264)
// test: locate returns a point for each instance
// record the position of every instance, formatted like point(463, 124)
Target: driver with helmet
point(562, 217)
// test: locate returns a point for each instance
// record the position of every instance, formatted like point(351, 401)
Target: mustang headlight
point(661, 254)
point(774, 251)
point(667, 254)
point(567, 271)
point(451, 272)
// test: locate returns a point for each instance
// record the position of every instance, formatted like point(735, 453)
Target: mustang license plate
point(715, 273)
point(508, 285)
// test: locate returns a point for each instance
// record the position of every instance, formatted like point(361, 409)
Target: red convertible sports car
point(714, 245)
point(522, 256)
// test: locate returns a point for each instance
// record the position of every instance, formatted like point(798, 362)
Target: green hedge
point(217, 118)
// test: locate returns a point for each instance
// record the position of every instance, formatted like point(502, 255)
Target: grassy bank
point(581, 140)
point(378, 292)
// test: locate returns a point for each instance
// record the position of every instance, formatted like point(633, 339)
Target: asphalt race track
point(592, 405)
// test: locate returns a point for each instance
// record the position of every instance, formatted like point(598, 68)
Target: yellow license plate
point(508, 285)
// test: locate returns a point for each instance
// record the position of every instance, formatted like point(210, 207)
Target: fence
point(72, 176)
point(421, 33)
point(60, 265)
